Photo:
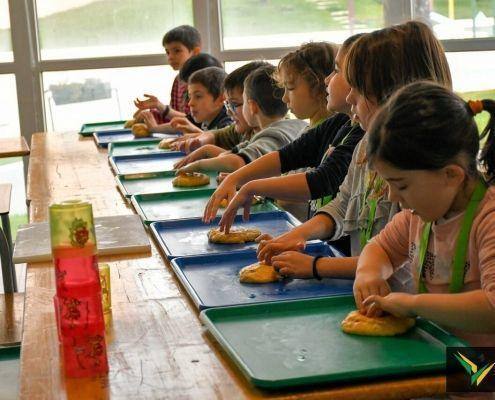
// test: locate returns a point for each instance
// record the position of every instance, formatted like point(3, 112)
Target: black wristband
point(166, 111)
point(316, 275)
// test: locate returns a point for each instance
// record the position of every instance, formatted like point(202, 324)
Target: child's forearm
point(164, 128)
point(263, 167)
point(469, 311)
point(374, 260)
point(335, 267)
point(318, 227)
point(289, 187)
point(223, 163)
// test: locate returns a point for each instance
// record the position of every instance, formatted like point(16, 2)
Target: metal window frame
point(28, 66)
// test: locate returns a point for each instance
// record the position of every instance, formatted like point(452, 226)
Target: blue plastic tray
point(104, 138)
point(188, 237)
point(213, 280)
point(134, 147)
point(136, 164)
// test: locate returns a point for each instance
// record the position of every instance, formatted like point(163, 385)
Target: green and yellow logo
point(476, 374)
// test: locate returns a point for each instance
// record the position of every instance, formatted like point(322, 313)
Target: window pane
point(102, 28)
point(76, 97)
point(6, 54)
point(280, 23)
point(9, 114)
point(473, 73)
point(11, 169)
point(461, 19)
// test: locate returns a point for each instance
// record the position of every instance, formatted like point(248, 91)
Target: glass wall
point(5, 36)
point(96, 28)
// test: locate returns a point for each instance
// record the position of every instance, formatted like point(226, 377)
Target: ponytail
point(487, 156)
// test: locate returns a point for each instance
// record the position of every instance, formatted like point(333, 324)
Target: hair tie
point(476, 106)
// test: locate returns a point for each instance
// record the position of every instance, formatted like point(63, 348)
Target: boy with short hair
point(232, 135)
point(180, 43)
point(205, 90)
point(264, 111)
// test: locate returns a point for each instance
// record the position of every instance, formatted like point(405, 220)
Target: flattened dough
point(258, 273)
point(130, 123)
point(166, 144)
point(235, 236)
point(191, 179)
point(140, 130)
point(358, 324)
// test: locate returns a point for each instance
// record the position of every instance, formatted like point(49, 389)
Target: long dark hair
point(426, 126)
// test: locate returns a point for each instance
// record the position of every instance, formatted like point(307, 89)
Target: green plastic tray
point(300, 342)
point(181, 205)
point(156, 182)
point(132, 147)
point(88, 129)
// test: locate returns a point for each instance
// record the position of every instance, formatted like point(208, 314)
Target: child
point(424, 143)
point(205, 90)
point(184, 124)
point(264, 111)
point(376, 65)
point(327, 148)
point(230, 136)
point(180, 43)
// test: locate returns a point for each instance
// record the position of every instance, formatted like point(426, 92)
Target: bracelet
point(316, 275)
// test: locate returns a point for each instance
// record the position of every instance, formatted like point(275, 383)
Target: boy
point(231, 135)
point(205, 90)
point(264, 112)
point(180, 43)
point(184, 123)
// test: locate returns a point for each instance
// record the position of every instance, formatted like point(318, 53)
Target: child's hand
point(150, 102)
point(226, 190)
point(286, 242)
point(188, 145)
point(397, 304)
point(183, 125)
point(195, 166)
point(198, 154)
point(368, 284)
point(243, 198)
point(293, 264)
point(149, 120)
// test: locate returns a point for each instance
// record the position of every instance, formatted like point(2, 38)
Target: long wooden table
point(156, 345)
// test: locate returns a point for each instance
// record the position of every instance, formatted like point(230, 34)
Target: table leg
point(7, 267)
point(8, 236)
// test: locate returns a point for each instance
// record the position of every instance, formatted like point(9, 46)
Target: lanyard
point(366, 233)
point(457, 279)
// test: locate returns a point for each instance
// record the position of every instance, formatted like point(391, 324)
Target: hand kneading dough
point(140, 130)
point(258, 273)
point(234, 236)
point(191, 179)
point(165, 144)
point(130, 123)
point(358, 324)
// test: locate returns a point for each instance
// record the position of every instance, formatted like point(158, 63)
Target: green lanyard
point(457, 279)
point(366, 233)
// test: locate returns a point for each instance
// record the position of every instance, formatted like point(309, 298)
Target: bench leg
point(7, 266)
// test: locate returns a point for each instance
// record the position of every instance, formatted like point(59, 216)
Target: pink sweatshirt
point(401, 237)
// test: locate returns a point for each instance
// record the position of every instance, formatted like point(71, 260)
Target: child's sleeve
point(485, 241)
point(328, 176)
point(263, 144)
point(227, 137)
point(394, 238)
